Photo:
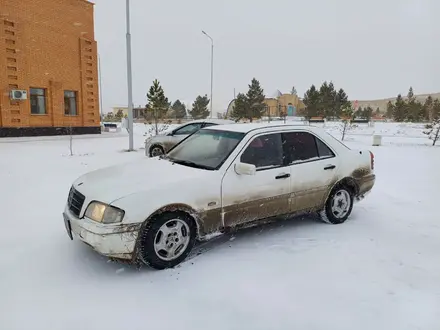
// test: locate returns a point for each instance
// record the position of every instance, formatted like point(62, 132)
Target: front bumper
point(115, 241)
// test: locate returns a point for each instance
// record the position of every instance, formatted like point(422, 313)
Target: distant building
point(277, 105)
point(48, 58)
point(138, 112)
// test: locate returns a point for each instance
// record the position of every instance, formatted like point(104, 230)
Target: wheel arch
point(177, 207)
point(174, 207)
point(348, 182)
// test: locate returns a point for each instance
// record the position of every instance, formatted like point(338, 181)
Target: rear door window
point(300, 147)
point(304, 147)
point(323, 150)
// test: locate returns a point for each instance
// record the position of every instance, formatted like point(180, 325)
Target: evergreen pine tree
point(157, 103)
point(410, 95)
point(255, 98)
point(414, 108)
point(428, 108)
point(390, 110)
point(333, 97)
point(109, 117)
point(327, 100)
point(179, 109)
point(241, 108)
point(311, 101)
point(368, 113)
point(341, 102)
point(377, 112)
point(400, 109)
point(119, 115)
point(436, 109)
point(200, 107)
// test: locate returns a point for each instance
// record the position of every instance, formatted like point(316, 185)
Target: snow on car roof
point(246, 128)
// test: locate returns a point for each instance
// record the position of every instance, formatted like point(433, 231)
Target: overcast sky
point(372, 49)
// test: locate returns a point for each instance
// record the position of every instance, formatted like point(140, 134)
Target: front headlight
point(104, 213)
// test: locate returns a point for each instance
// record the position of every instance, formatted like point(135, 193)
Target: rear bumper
point(365, 185)
point(115, 241)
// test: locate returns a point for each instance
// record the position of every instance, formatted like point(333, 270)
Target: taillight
point(372, 160)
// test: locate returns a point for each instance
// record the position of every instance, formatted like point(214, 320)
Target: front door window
point(267, 193)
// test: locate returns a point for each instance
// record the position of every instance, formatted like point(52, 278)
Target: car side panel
point(201, 199)
point(311, 183)
point(247, 198)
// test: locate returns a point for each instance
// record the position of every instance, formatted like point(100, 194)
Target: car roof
point(246, 128)
point(211, 120)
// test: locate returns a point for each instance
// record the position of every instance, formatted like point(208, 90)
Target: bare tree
point(433, 131)
point(347, 115)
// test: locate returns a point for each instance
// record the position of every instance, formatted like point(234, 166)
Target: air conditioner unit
point(18, 94)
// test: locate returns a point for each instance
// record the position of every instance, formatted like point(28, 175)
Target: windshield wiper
point(190, 164)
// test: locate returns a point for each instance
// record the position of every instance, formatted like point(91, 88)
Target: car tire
point(338, 206)
point(167, 239)
point(156, 150)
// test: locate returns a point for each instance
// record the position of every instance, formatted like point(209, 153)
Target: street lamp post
point(129, 80)
point(212, 67)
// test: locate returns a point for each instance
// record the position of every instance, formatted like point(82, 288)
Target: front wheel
point(338, 206)
point(156, 151)
point(167, 240)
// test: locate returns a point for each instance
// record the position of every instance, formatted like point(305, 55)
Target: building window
point(70, 105)
point(38, 101)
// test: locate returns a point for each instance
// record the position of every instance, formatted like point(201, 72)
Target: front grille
point(75, 201)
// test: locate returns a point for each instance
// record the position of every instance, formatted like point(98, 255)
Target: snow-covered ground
point(379, 270)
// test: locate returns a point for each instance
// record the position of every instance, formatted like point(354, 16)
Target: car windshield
point(207, 149)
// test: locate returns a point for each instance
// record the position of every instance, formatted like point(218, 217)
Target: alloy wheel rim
point(156, 151)
point(341, 204)
point(172, 239)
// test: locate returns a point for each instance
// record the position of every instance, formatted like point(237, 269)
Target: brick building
point(48, 50)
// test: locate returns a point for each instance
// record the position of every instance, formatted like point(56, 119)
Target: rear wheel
point(338, 206)
point(167, 239)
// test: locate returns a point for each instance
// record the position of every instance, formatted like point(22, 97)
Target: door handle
point(329, 167)
point(282, 176)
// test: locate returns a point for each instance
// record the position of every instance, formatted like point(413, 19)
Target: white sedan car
point(219, 179)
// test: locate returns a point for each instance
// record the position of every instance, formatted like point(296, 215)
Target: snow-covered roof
point(274, 95)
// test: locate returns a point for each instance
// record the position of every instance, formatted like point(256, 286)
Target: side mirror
point(245, 169)
point(171, 133)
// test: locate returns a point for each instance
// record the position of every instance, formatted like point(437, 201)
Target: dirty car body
point(220, 178)
point(162, 143)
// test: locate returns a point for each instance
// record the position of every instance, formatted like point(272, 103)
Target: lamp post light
point(212, 67)
point(129, 80)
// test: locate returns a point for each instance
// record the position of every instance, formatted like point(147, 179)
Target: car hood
point(158, 138)
point(147, 174)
